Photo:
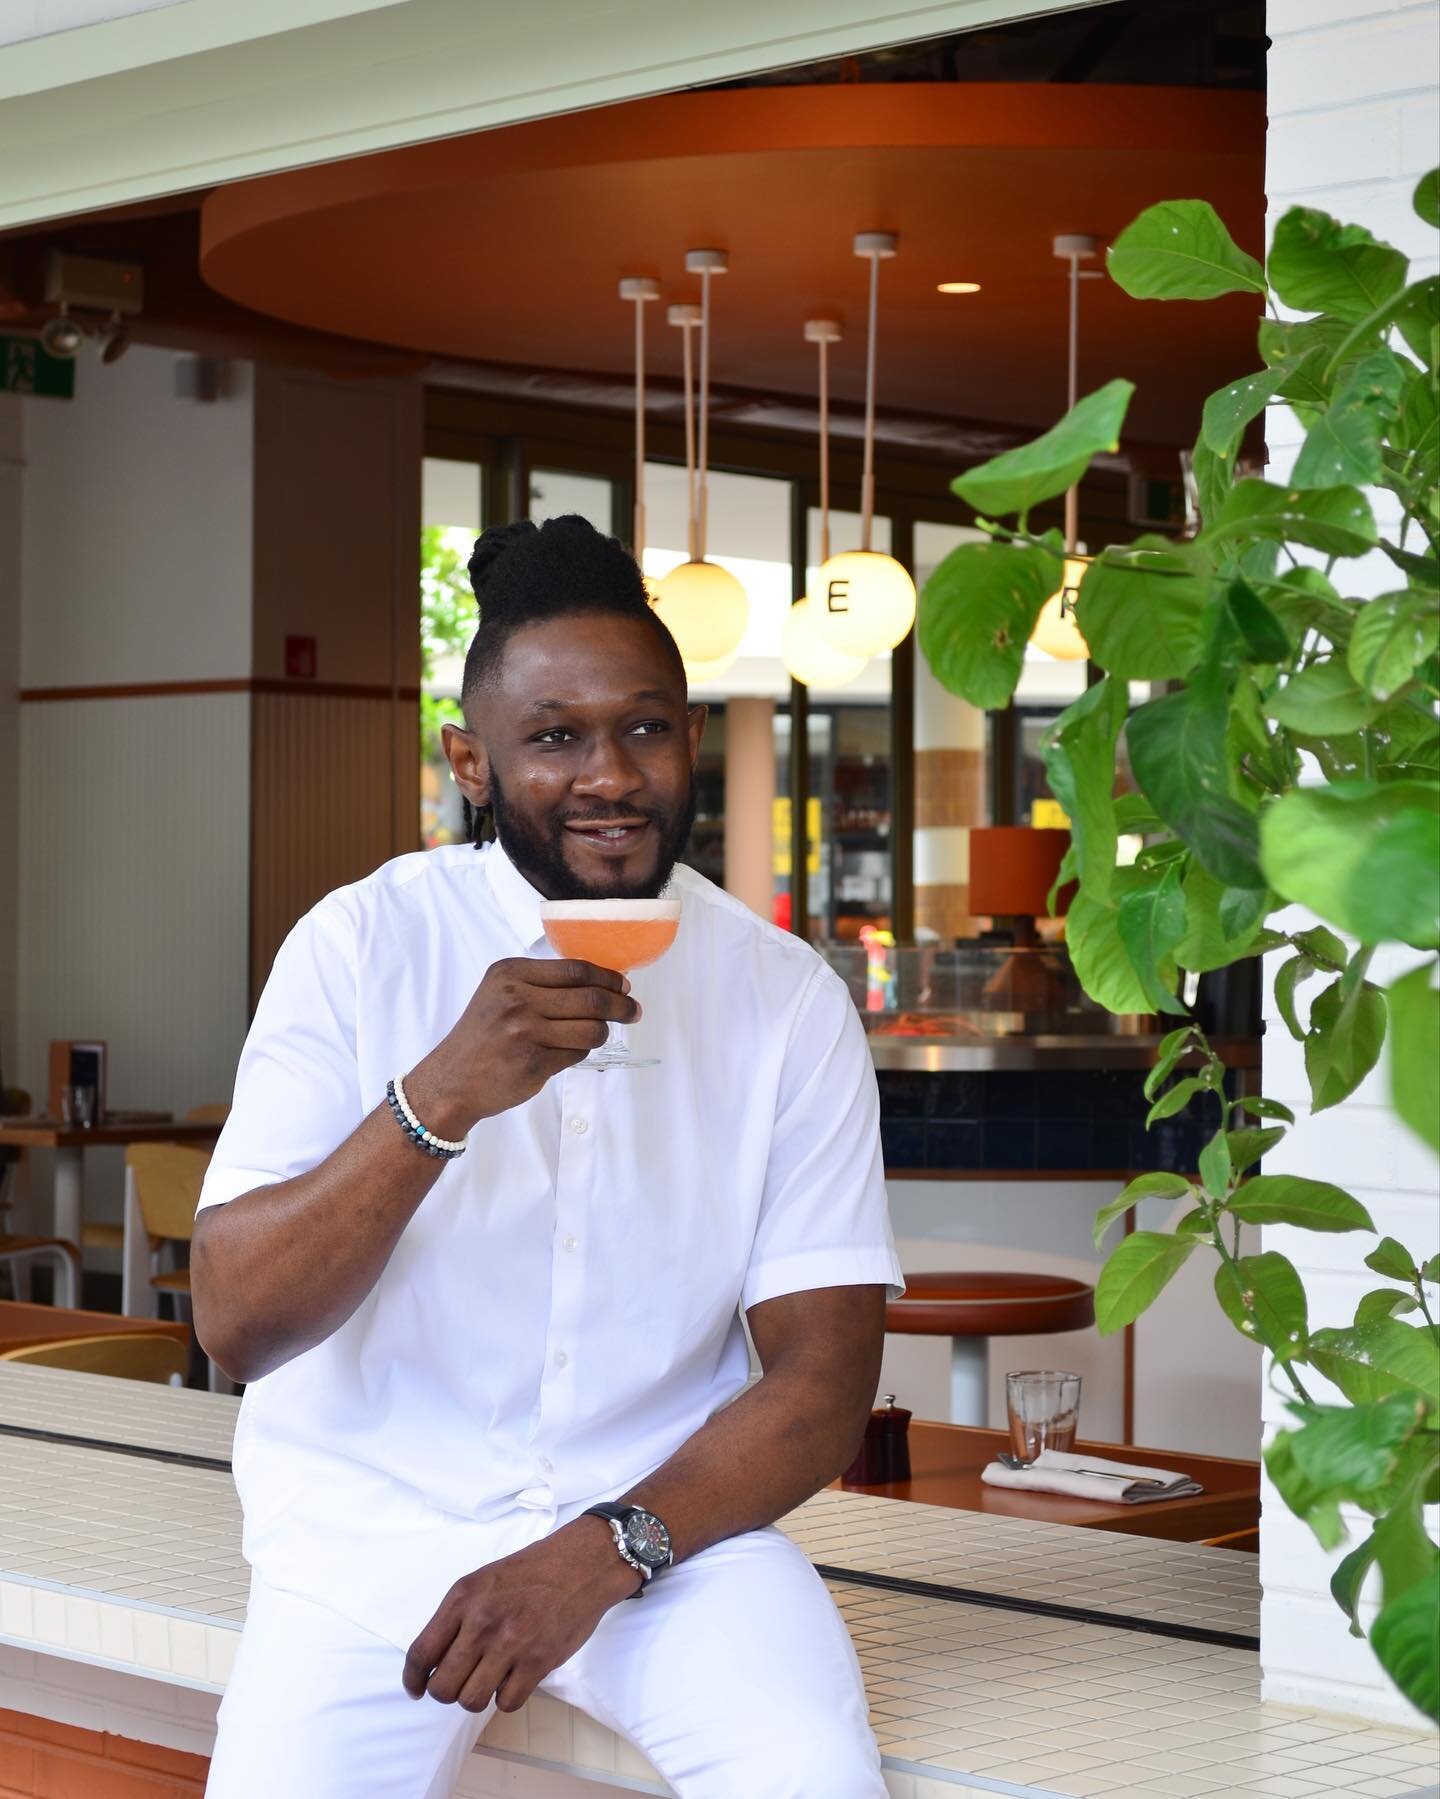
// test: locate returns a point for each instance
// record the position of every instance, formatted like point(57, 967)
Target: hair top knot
point(490, 546)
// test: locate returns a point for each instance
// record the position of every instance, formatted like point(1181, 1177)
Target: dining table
point(23, 1325)
point(118, 1130)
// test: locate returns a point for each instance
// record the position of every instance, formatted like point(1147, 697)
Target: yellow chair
point(131, 1356)
point(216, 1114)
point(162, 1190)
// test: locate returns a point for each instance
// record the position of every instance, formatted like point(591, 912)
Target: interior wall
point(12, 500)
point(132, 831)
point(1354, 121)
point(337, 560)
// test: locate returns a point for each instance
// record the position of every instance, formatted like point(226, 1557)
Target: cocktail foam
point(614, 911)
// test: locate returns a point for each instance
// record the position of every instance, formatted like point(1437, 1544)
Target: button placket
point(574, 1178)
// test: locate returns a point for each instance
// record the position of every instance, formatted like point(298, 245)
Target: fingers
point(588, 1002)
point(569, 973)
point(428, 1649)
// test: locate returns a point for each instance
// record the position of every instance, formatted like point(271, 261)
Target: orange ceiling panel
point(507, 245)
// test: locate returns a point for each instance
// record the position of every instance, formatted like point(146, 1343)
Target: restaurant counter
point(1000, 1655)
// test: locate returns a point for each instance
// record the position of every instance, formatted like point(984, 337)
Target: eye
point(556, 734)
point(650, 727)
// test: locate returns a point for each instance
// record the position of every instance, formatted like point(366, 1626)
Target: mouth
point(611, 837)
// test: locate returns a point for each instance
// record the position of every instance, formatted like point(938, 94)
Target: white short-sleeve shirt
point(562, 1311)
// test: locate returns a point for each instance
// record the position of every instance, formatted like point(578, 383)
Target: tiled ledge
point(966, 1699)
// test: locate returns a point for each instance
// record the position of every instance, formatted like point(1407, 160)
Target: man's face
point(585, 748)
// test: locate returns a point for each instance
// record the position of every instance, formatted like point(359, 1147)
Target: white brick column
point(1354, 123)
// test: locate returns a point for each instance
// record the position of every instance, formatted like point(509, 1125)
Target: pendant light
point(703, 606)
point(867, 599)
point(639, 290)
point(809, 657)
point(1056, 631)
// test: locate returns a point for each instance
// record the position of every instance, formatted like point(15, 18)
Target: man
point(477, 1290)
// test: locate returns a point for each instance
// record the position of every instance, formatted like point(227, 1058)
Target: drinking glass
point(77, 1106)
point(615, 933)
point(1044, 1408)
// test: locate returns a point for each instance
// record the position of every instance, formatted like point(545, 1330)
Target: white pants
point(734, 1675)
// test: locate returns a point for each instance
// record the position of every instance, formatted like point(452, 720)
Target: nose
point(609, 772)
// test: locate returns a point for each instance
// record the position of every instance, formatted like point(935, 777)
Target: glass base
point(613, 1056)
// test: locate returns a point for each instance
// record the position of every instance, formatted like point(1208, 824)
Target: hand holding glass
point(619, 934)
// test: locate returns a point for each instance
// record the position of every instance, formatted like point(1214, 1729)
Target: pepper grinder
point(885, 1452)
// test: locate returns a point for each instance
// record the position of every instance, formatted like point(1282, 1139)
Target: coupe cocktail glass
point(622, 934)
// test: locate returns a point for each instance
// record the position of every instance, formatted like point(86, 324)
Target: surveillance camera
point(61, 337)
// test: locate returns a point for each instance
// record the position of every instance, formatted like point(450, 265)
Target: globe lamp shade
point(709, 671)
point(1056, 631)
point(705, 610)
point(810, 658)
point(865, 602)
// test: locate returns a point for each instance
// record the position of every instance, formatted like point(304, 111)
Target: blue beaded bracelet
point(404, 1116)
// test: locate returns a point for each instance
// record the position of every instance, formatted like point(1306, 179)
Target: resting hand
point(501, 1630)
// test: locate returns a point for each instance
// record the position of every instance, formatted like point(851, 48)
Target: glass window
point(451, 518)
point(556, 492)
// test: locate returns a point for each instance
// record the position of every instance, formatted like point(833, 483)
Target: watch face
point(647, 1539)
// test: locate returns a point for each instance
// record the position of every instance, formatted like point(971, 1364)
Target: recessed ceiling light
point(958, 287)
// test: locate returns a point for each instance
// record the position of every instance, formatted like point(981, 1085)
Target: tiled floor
point(102, 1555)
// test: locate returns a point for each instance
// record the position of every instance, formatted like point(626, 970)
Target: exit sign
point(27, 369)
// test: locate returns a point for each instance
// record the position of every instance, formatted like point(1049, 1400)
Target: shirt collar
point(518, 901)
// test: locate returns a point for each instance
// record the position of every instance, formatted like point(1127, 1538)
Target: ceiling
point(507, 246)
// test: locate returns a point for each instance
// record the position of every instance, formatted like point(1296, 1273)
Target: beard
point(538, 850)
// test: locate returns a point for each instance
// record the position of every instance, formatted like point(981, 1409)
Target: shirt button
point(546, 1465)
point(561, 1358)
point(579, 1126)
point(572, 1243)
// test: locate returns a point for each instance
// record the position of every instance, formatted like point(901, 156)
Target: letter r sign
point(836, 595)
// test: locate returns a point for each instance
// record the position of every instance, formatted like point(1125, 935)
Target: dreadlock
point(526, 574)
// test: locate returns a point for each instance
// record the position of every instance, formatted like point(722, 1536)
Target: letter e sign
point(836, 595)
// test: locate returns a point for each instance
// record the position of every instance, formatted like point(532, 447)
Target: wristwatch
point(640, 1537)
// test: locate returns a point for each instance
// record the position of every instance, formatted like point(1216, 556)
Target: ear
point(469, 763)
point(695, 717)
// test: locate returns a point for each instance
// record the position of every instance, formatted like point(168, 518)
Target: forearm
point(276, 1271)
point(786, 1437)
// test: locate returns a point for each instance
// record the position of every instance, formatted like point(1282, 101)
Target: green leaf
point(1427, 198)
point(1134, 815)
point(1324, 948)
point(1381, 1303)
point(1067, 872)
point(1168, 1052)
point(1347, 1032)
point(1145, 1186)
point(1290, 1199)
point(1178, 754)
point(977, 612)
point(1395, 1355)
point(1151, 921)
point(1352, 1446)
point(1215, 1165)
point(1402, 1545)
point(1287, 978)
point(1344, 442)
point(1100, 960)
point(1348, 1581)
point(1142, 609)
point(1079, 755)
point(1322, 700)
point(1336, 520)
point(1229, 410)
point(1174, 1099)
point(1431, 1271)
point(1390, 1257)
point(1180, 250)
point(1393, 635)
point(1403, 1638)
point(1137, 1271)
point(1266, 639)
point(1319, 265)
point(1247, 1147)
point(1303, 349)
point(1219, 928)
point(1213, 478)
point(1362, 856)
point(1264, 1298)
point(1414, 1043)
point(1320, 1510)
point(1265, 1108)
point(1018, 480)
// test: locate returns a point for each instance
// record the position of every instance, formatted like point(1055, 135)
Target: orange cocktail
point(619, 934)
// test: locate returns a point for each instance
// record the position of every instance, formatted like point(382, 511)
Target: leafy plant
point(1293, 758)
point(447, 623)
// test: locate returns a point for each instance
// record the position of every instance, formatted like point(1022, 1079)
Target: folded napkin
point(1087, 1477)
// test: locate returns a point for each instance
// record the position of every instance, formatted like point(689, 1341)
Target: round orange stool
point(969, 1309)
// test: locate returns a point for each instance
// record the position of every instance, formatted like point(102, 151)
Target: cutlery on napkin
point(1092, 1477)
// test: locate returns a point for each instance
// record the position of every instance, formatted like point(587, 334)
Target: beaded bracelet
point(400, 1111)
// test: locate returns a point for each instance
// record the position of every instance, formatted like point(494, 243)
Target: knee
point(814, 1759)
